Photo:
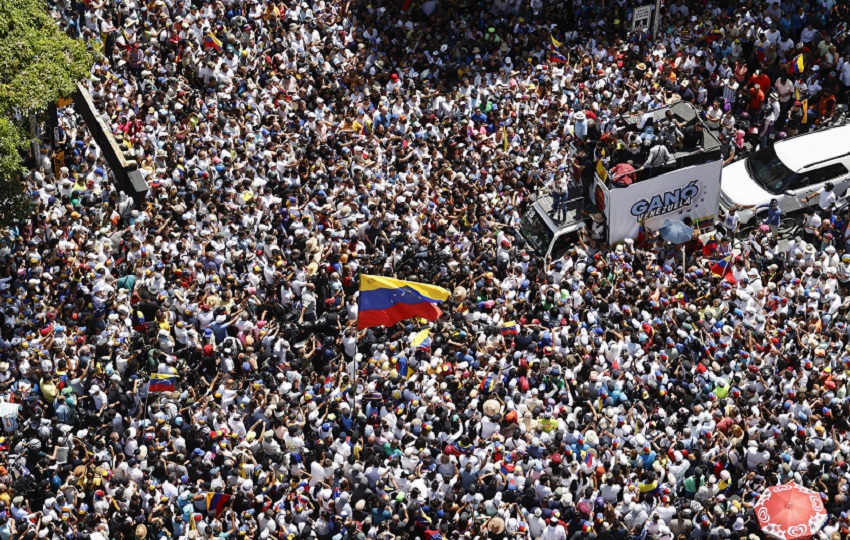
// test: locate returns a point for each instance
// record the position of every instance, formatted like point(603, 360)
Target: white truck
point(688, 186)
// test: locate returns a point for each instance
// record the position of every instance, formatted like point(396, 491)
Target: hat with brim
point(491, 407)
point(141, 532)
point(496, 525)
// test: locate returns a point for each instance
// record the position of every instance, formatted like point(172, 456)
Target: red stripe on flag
point(396, 313)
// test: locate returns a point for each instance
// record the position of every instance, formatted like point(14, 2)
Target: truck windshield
point(767, 169)
point(536, 232)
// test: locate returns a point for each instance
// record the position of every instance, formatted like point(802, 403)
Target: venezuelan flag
point(421, 339)
point(555, 42)
point(212, 42)
point(385, 301)
point(161, 382)
point(216, 502)
point(798, 64)
point(723, 268)
point(510, 328)
point(557, 58)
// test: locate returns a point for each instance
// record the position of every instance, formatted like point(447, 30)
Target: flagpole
point(356, 352)
point(147, 397)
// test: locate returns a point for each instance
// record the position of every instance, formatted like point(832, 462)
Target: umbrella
point(676, 231)
point(790, 511)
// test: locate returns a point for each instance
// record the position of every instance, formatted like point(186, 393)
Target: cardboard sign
point(641, 16)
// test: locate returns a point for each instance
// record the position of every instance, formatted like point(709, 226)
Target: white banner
point(692, 192)
point(640, 17)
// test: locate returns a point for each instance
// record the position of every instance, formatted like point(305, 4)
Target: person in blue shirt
point(774, 217)
point(647, 456)
point(579, 446)
point(219, 327)
point(380, 515)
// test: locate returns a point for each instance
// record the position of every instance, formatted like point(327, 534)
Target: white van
point(789, 171)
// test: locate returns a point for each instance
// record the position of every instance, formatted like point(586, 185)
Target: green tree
point(38, 65)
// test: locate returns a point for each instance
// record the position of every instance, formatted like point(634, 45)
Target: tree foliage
point(38, 65)
point(15, 202)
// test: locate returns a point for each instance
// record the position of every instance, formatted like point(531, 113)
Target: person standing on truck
point(597, 227)
point(727, 149)
point(658, 156)
point(558, 188)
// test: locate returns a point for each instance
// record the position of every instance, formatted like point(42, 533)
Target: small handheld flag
point(161, 382)
point(557, 58)
point(510, 328)
point(212, 42)
point(798, 64)
point(723, 268)
point(216, 502)
point(421, 339)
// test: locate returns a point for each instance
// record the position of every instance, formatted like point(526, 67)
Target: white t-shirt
point(826, 199)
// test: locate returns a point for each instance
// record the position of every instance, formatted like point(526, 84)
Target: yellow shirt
point(548, 424)
point(646, 488)
point(49, 391)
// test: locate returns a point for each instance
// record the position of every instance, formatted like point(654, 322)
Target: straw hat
point(141, 532)
point(460, 293)
point(312, 245)
point(496, 525)
point(491, 407)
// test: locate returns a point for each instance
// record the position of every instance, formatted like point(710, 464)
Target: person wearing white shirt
point(844, 69)
point(826, 197)
point(554, 531)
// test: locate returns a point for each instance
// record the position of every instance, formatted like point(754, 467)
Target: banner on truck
point(692, 192)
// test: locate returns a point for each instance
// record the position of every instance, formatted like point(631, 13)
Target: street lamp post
point(657, 20)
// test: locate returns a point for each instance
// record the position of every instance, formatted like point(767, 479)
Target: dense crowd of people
point(192, 368)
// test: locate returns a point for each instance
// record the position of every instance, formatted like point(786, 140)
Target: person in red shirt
point(760, 78)
point(756, 100)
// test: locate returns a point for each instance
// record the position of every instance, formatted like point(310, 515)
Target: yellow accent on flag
point(211, 40)
point(805, 106)
point(799, 64)
point(555, 42)
point(600, 170)
point(420, 338)
point(385, 301)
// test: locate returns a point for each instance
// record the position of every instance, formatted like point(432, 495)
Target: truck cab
point(547, 237)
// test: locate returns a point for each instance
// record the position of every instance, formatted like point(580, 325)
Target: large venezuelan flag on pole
point(385, 301)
